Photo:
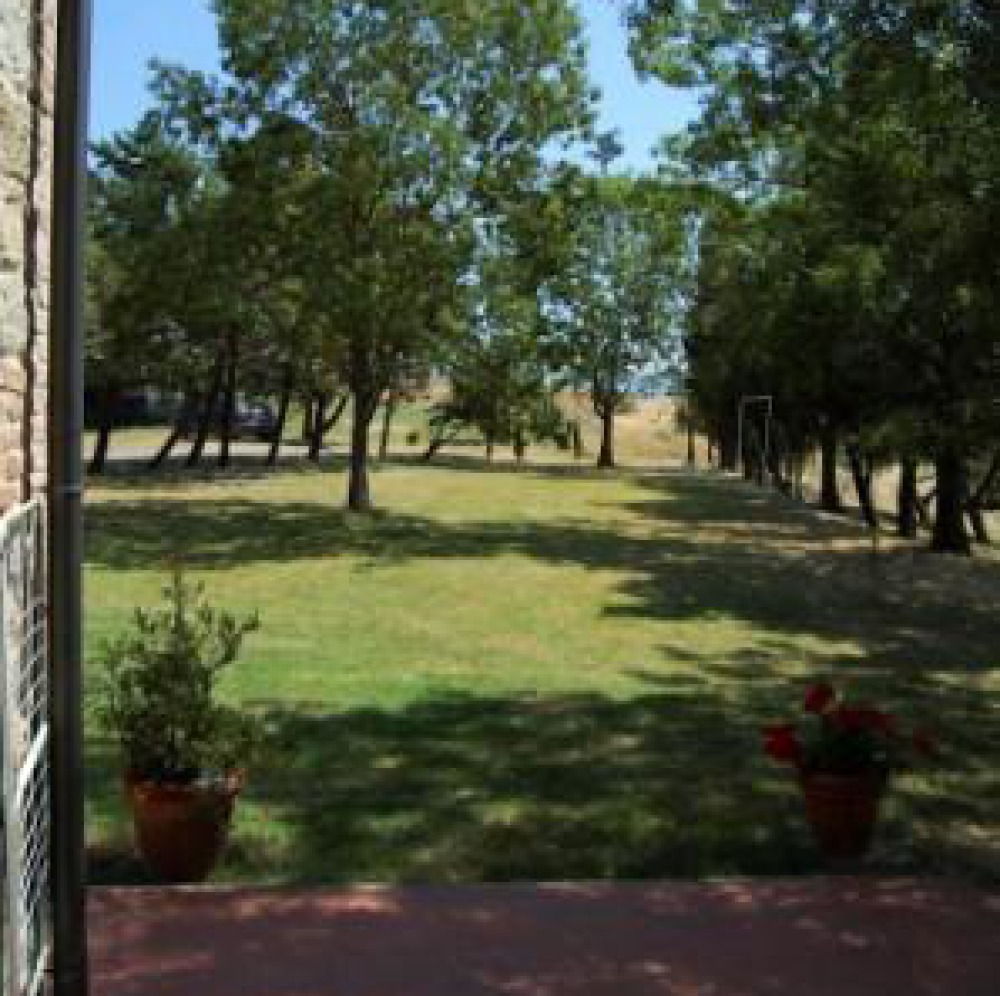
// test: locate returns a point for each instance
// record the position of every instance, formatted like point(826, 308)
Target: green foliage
point(157, 694)
point(613, 309)
point(426, 121)
point(143, 191)
point(504, 396)
point(848, 267)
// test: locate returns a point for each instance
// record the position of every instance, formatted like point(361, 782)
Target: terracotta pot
point(181, 829)
point(842, 811)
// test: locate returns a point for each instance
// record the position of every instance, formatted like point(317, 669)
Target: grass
point(551, 673)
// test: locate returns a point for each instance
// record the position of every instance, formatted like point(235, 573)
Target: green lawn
point(552, 673)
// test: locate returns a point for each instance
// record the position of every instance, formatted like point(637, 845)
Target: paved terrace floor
point(818, 937)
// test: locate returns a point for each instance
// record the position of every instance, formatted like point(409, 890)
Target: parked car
point(252, 420)
point(255, 420)
point(142, 406)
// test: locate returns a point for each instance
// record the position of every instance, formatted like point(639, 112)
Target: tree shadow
point(688, 498)
point(899, 604)
point(669, 784)
point(127, 473)
point(462, 788)
point(852, 934)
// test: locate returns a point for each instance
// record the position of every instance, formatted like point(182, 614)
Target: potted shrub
point(184, 753)
point(844, 754)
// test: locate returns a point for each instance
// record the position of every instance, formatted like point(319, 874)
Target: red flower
point(850, 718)
point(855, 735)
point(876, 720)
point(782, 744)
point(854, 719)
point(884, 722)
point(818, 698)
point(924, 743)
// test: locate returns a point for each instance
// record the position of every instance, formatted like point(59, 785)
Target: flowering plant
point(837, 737)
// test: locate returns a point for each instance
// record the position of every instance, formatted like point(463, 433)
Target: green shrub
point(157, 691)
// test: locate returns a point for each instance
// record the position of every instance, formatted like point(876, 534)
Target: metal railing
point(24, 724)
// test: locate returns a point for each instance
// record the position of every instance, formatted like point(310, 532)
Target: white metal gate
point(24, 724)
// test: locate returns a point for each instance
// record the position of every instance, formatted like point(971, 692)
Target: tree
point(426, 118)
point(614, 308)
point(141, 188)
point(500, 387)
point(872, 121)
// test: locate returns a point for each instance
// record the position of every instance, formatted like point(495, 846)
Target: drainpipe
point(69, 932)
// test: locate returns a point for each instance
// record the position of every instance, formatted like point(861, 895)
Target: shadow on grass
point(128, 473)
point(462, 788)
point(756, 560)
point(124, 473)
point(667, 783)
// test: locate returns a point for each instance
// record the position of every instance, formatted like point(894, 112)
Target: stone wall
point(27, 84)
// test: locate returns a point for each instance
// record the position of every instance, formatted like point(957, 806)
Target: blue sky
point(128, 33)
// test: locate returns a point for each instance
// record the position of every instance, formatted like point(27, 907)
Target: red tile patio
point(819, 937)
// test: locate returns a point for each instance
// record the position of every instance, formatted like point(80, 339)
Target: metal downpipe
point(66, 494)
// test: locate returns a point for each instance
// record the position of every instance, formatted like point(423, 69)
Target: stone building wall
point(27, 85)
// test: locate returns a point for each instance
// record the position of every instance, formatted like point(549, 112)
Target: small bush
point(157, 692)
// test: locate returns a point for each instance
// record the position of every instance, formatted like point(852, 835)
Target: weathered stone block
point(15, 126)
point(15, 40)
point(27, 90)
point(13, 320)
point(12, 375)
point(10, 495)
point(11, 225)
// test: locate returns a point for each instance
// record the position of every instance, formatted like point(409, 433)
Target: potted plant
point(844, 754)
point(184, 753)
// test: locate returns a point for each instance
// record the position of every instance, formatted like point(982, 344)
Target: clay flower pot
point(842, 811)
point(181, 829)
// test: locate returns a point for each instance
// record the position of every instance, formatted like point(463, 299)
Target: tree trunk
point(107, 403)
point(317, 430)
point(279, 428)
point(358, 489)
point(692, 456)
point(520, 447)
point(727, 443)
point(387, 416)
point(949, 522)
point(980, 498)
point(336, 414)
point(229, 404)
point(829, 494)
point(490, 447)
point(99, 457)
point(979, 528)
point(308, 423)
point(906, 499)
point(433, 448)
point(321, 425)
point(577, 431)
point(163, 453)
point(606, 458)
point(207, 414)
point(861, 471)
point(924, 519)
